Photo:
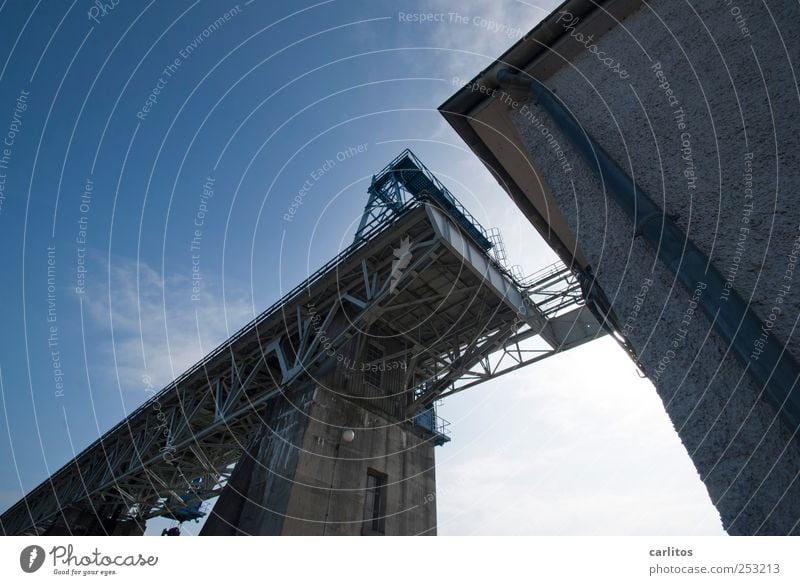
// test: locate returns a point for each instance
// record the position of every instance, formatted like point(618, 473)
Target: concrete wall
point(300, 478)
point(255, 499)
point(331, 475)
point(730, 125)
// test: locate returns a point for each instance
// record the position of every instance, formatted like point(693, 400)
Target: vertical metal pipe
point(773, 368)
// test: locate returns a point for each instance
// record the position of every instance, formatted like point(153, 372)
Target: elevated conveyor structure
point(419, 286)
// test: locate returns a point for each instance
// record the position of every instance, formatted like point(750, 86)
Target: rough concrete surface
point(734, 112)
point(301, 478)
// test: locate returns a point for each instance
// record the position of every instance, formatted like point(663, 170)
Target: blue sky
point(108, 185)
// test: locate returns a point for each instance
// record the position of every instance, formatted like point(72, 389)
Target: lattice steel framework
point(462, 316)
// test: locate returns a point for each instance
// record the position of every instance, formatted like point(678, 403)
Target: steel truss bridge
point(421, 270)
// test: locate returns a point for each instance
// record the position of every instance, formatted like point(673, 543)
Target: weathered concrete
point(255, 499)
point(300, 478)
point(733, 113)
point(328, 494)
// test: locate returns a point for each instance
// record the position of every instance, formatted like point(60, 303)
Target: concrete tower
point(654, 145)
point(335, 459)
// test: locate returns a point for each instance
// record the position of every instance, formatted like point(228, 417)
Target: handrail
point(452, 198)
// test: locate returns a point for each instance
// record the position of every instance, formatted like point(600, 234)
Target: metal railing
point(395, 166)
point(553, 288)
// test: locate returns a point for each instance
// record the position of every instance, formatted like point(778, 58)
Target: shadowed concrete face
point(303, 477)
point(708, 127)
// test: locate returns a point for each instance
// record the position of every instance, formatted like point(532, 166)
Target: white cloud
point(476, 32)
point(157, 329)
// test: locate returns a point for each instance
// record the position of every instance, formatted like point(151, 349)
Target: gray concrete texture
point(301, 478)
point(733, 112)
point(331, 474)
point(254, 500)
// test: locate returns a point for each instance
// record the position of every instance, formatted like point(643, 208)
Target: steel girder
point(464, 321)
point(180, 446)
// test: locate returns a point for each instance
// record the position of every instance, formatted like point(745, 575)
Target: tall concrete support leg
point(744, 449)
point(307, 475)
point(255, 499)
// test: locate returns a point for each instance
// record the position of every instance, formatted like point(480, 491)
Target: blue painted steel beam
point(774, 369)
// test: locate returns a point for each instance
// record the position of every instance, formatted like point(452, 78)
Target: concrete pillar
point(301, 476)
point(710, 146)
